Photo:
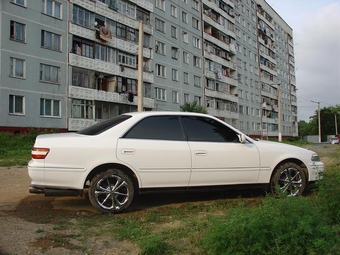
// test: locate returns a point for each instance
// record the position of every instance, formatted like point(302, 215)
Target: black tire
point(289, 179)
point(111, 191)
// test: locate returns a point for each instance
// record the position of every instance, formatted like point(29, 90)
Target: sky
point(316, 32)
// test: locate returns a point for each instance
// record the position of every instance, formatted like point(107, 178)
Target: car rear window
point(103, 126)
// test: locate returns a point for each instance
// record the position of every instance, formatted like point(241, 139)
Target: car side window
point(205, 129)
point(157, 127)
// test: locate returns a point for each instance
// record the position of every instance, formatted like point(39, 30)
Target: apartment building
point(235, 58)
point(33, 84)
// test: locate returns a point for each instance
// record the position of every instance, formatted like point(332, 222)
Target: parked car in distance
point(154, 151)
point(334, 140)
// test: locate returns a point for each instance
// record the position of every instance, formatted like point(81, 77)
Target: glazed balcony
point(106, 67)
point(106, 96)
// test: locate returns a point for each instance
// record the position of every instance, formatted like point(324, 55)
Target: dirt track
point(24, 215)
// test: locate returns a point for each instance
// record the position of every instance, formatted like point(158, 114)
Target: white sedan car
point(151, 151)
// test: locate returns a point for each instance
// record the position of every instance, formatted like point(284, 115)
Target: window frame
point(13, 105)
point(51, 68)
point(53, 10)
point(13, 68)
point(56, 46)
point(13, 31)
point(52, 110)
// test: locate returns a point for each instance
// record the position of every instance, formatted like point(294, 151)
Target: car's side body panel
point(224, 163)
point(158, 163)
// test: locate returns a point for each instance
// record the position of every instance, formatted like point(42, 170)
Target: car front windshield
point(103, 125)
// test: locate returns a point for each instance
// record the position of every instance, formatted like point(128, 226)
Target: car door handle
point(201, 153)
point(128, 151)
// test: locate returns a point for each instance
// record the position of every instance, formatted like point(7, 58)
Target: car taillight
point(39, 153)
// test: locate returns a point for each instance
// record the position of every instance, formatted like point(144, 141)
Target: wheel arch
point(104, 167)
point(293, 160)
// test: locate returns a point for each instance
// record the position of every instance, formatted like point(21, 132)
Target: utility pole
point(140, 68)
point(279, 104)
point(336, 125)
point(319, 120)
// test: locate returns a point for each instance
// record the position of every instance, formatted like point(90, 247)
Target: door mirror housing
point(242, 138)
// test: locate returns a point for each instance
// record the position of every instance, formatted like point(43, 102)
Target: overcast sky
point(316, 31)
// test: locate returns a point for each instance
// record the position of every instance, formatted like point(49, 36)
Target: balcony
point(216, 8)
point(216, 25)
point(216, 41)
point(123, 45)
point(102, 9)
point(229, 80)
point(217, 59)
point(106, 67)
point(106, 96)
point(269, 70)
point(223, 113)
point(221, 95)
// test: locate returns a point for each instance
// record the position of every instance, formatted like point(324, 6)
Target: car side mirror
point(242, 138)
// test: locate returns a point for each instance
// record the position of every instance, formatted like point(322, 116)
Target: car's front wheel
point(111, 191)
point(289, 179)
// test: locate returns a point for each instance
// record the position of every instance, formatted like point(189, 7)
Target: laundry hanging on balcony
point(103, 33)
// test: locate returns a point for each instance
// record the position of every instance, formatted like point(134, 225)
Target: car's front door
point(156, 148)
point(218, 158)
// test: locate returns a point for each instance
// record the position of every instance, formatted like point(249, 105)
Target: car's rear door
point(157, 150)
point(218, 158)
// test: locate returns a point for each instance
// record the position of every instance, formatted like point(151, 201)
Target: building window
point(185, 37)
point(195, 23)
point(49, 107)
point(159, 25)
point(174, 32)
point(49, 73)
point(160, 94)
point(17, 68)
point(174, 52)
point(184, 17)
point(50, 40)
point(105, 53)
point(19, 2)
point(198, 100)
point(173, 11)
point(195, 5)
point(160, 4)
point(126, 32)
point(175, 98)
point(16, 104)
point(185, 57)
point(196, 42)
point(197, 61)
point(82, 17)
point(186, 98)
point(160, 47)
point(82, 77)
point(51, 7)
point(126, 8)
point(186, 78)
point(174, 74)
point(126, 84)
point(83, 47)
point(127, 59)
point(82, 109)
point(18, 31)
point(160, 70)
point(197, 81)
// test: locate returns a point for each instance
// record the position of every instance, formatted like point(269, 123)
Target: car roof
point(157, 113)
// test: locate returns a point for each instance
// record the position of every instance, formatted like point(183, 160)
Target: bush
point(329, 194)
point(278, 226)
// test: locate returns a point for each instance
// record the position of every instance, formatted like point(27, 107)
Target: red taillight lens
point(39, 153)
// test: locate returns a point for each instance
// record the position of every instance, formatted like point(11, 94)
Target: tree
point(192, 107)
point(328, 116)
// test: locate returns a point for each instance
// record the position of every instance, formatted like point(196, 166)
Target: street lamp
point(319, 120)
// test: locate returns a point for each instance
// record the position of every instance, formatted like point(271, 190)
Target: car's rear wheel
point(111, 191)
point(289, 179)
